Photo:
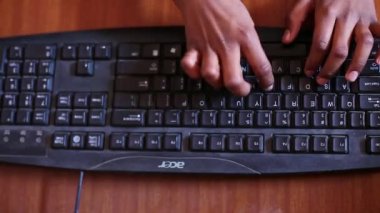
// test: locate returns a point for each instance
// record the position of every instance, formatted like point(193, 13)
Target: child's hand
point(336, 23)
point(217, 32)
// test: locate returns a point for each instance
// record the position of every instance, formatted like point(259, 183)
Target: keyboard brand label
point(172, 165)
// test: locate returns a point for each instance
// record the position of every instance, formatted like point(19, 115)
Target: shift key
point(132, 83)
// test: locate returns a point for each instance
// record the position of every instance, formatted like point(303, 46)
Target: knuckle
point(340, 52)
point(233, 83)
point(367, 39)
point(320, 45)
point(328, 11)
point(210, 74)
point(245, 34)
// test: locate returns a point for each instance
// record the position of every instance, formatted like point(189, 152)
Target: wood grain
point(32, 189)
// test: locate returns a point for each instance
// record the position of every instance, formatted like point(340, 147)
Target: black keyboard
point(117, 100)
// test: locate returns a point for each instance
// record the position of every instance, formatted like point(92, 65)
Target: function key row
point(150, 141)
point(78, 140)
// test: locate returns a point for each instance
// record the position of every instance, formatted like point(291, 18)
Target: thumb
point(295, 20)
point(375, 29)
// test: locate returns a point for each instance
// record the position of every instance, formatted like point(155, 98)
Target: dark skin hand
point(219, 32)
point(336, 23)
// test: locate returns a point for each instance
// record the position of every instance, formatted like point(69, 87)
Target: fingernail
point(378, 60)
point(322, 81)
point(269, 88)
point(287, 35)
point(352, 76)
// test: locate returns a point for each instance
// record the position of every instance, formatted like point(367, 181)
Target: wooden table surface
point(33, 189)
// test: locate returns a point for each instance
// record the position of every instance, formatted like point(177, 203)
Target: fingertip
point(322, 81)
point(352, 76)
point(286, 37)
point(191, 63)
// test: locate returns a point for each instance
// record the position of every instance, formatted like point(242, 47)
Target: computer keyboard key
point(132, 84)
point(181, 100)
point(46, 68)
point(295, 67)
point(60, 140)
point(199, 101)
point(118, 141)
point(255, 101)
point(369, 84)
point(155, 117)
point(42, 100)
point(151, 50)
point(301, 119)
point(85, 68)
point(320, 119)
point(357, 119)
point(97, 117)
point(374, 119)
point(288, 83)
point(371, 68)
point(191, 118)
point(325, 87)
point(85, 51)
point(10, 100)
point(292, 101)
point(62, 117)
point(373, 144)
point(69, 52)
point(103, 51)
point(279, 66)
point(28, 84)
point(339, 144)
point(129, 50)
point(81, 100)
point(172, 142)
point(44, 84)
point(40, 51)
point(282, 118)
point(23, 116)
point(77, 140)
point(235, 143)
point(153, 142)
point(125, 100)
point(342, 85)
point(219, 102)
point(14, 68)
point(281, 143)
point(79, 117)
point(95, 141)
point(254, 143)
point(347, 102)
point(198, 142)
point(40, 117)
point(98, 100)
point(310, 101)
point(11, 84)
point(329, 101)
point(137, 67)
point(216, 142)
point(173, 117)
point(30, 67)
point(369, 101)
point(8, 116)
point(208, 118)
point(338, 119)
point(264, 118)
point(300, 143)
point(226, 118)
point(173, 50)
point(128, 117)
point(64, 100)
point(245, 118)
point(16, 52)
point(306, 84)
point(319, 143)
point(169, 67)
point(273, 100)
point(135, 141)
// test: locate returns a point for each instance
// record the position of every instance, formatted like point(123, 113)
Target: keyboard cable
point(79, 191)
